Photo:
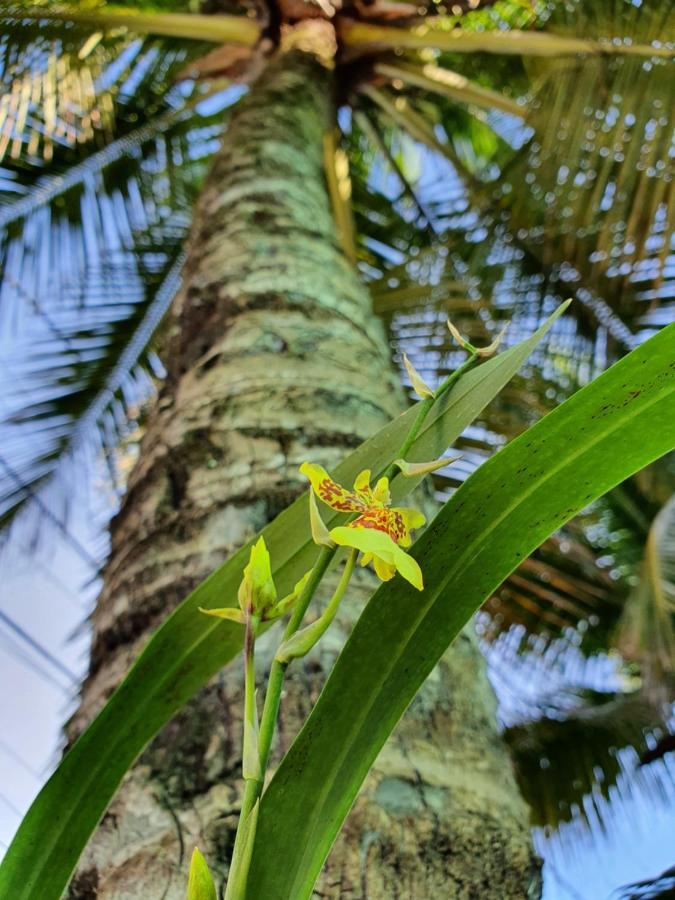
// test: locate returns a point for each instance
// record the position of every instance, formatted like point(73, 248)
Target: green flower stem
point(300, 607)
point(251, 763)
point(278, 669)
point(454, 377)
point(424, 409)
point(275, 682)
point(302, 641)
point(250, 754)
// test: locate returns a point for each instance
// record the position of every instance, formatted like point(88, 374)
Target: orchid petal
point(362, 482)
point(381, 493)
point(382, 547)
point(482, 352)
point(228, 612)
point(491, 348)
point(454, 331)
point(329, 491)
point(384, 570)
point(320, 533)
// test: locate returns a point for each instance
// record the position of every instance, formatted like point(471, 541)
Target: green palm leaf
point(116, 246)
point(586, 750)
point(69, 91)
point(647, 630)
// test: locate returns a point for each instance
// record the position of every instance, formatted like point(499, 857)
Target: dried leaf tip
point(419, 385)
point(412, 470)
point(482, 352)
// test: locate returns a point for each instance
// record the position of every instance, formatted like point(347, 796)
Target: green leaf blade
point(604, 433)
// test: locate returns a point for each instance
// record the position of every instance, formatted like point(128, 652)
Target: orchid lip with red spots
point(379, 531)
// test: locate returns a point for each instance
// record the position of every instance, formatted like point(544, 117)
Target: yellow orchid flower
point(379, 531)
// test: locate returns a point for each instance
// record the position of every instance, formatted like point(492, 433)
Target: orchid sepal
point(320, 534)
point(231, 613)
point(413, 470)
point(419, 385)
point(482, 352)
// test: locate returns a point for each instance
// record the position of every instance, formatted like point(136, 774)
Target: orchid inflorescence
point(380, 533)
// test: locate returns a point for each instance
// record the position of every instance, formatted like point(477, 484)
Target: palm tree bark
point(274, 356)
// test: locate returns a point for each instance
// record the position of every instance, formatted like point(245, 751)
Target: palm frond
point(370, 130)
point(66, 95)
point(596, 210)
point(439, 34)
point(572, 767)
point(647, 630)
point(600, 201)
point(336, 167)
point(187, 26)
point(599, 192)
point(87, 277)
point(400, 111)
point(451, 84)
point(91, 226)
point(51, 187)
point(662, 887)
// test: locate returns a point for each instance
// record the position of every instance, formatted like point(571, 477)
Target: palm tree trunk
point(274, 357)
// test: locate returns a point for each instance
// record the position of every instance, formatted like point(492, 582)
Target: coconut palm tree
point(369, 163)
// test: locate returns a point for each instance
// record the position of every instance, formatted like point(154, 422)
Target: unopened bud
point(257, 592)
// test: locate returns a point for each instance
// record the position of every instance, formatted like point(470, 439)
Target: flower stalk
point(253, 787)
point(300, 643)
point(243, 843)
point(251, 755)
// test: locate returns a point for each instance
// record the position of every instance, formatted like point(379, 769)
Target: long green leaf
point(191, 26)
point(451, 84)
point(437, 34)
point(190, 648)
point(411, 121)
point(610, 429)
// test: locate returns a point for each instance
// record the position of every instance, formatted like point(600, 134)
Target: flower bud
point(200, 882)
point(257, 593)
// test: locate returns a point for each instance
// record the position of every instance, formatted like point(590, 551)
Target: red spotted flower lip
point(379, 530)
